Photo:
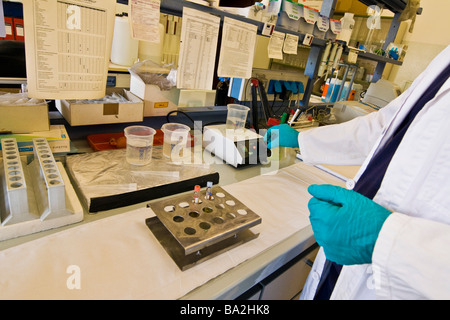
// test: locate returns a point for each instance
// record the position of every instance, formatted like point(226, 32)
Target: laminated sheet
point(119, 258)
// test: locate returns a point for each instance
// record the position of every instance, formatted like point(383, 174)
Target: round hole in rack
point(13, 167)
point(242, 212)
point(49, 166)
point(11, 152)
point(54, 182)
point(190, 231)
point(14, 173)
point(220, 194)
point(11, 163)
point(53, 176)
point(194, 214)
point(50, 170)
point(15, 185)
point(230, 215)
point(169, 208)
point(183, 204)
point(11, 157)
point(178, 219)
point(220, 206)
point(204, 225)
point(207, 209)
point(45, 156)
point(10, 148)
point(230, 202)
point(218, 220)
point(47, 161)
point(15, 178)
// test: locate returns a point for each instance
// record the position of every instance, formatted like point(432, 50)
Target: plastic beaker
point(176, 137)
point(139, 144)
point(236, 116)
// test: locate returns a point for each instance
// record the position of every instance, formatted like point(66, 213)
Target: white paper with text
point(68, 45)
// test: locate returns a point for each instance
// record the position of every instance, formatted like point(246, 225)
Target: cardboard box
point(103, 113)
point(157, 102)
point(24, 118)
point(57, 138)
point(197, 98)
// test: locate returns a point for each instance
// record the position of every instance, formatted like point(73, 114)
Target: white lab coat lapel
point(356, 282)
point(410, 97)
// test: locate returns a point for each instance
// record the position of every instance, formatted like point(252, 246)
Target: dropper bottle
point(209, 190)
point(196, 193)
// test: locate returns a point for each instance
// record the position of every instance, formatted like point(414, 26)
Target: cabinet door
point(289, 283)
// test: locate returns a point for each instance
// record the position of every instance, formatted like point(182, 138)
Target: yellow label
point(161, 104)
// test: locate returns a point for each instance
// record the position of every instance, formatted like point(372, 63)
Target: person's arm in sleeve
point(346, 143)
point(411, 258)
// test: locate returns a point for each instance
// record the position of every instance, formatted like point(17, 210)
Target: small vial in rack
point(209, 190)
point(196, 193)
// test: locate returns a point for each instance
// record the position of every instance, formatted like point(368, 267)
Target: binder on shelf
point(9, 29)
point(18, 29)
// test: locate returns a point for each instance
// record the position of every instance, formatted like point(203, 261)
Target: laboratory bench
point(277, 271)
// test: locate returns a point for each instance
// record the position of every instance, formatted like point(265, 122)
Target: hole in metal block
point(207, 209)
point(230, 215)
point(189, 231)
point(204, 225)
point(218, 220)
point(230, 202)
point(242, 212)
point(178, 219)
point(194, 214)
point(16, 185)
point(169, 208)
point(183, 204)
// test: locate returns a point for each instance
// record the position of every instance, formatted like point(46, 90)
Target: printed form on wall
point(199, 36)
point(144, 15)
point(237, 49)
point(68, 47)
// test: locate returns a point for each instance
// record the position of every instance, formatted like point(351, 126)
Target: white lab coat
point(411, 259)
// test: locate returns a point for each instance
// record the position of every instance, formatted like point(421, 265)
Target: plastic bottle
point(209, 185)
point(196, 193)
point(347, 24)
point(124, 49)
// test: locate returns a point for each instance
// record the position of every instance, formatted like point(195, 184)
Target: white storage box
point(197, 98)
point(335, 29)
point(57, 138)
point(103, 113)
point(24, 118)
point(308, 20)
point(157, 102)
point(290, 15)
point(321, 27)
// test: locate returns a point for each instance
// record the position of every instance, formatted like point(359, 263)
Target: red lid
point(197, 188)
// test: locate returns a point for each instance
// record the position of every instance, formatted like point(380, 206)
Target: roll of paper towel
point(124, 49)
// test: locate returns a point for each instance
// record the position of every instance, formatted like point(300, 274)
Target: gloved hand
point(345, 223)
point(282, 135)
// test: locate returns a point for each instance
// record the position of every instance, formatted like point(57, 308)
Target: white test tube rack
point(37, 196)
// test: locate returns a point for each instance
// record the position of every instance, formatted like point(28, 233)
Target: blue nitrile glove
point(345, 223)
point(282, 135)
